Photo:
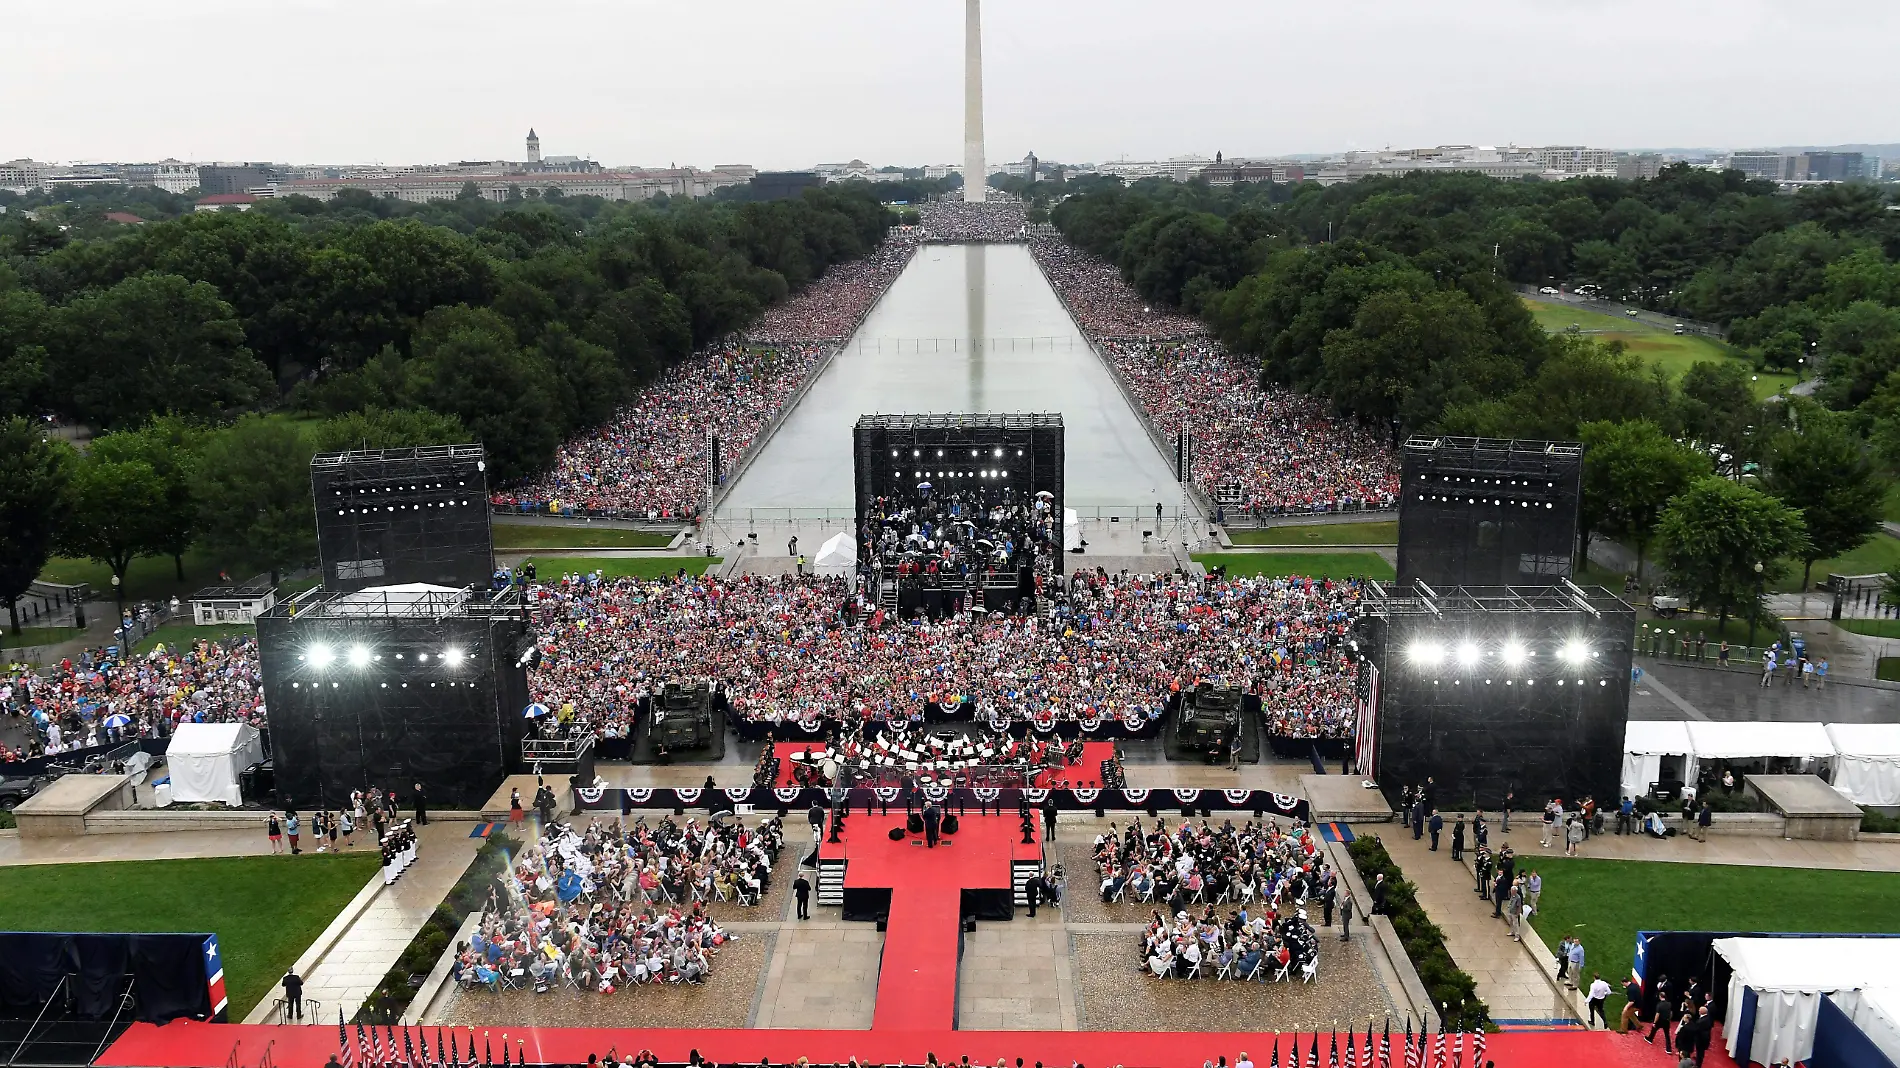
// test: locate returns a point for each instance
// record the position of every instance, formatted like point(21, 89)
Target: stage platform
point(1086, 774)
point(1340, 798)
point(185, 1044)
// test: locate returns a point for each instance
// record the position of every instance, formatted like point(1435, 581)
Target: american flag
point(362, 1047)
point(1352, 1050)
point(1411, 1051)
point(1438, 1045)
point(1275, 1062)
point(1458, 1052)
point(344, 1054)
point(455, 1049)
point(1365, 1052)
point(1312, 1055)
point(441, 1054)
point(488, 1051)
point(1477, 1048)
point(1332, 1056)
point(376, 1054)
point(1385, 1044)
point(408, 1048)
point(214, 979)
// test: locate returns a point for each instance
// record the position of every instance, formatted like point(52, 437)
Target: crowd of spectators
point(105, 698)
point(615, 905)
point(811, 651)
point(951, 220)
point(1194, 868)
point(1259, 451)
point(649, 459)
point(968, 531)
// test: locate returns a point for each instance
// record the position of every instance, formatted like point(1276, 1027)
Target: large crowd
point(813, 652)
point(612, 905)
point(1259, 451)
point(650, 458)
point(1193, 869)
point(103, 698)
point(951, 220)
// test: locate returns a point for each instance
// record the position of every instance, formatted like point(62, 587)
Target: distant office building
point(226, 202)
point(1239, 171)
point(233, 178)
point(781, 185)
point(1767, 166)
point(942, 170)
point(1634, 165)
point(1828, 166)
point(1575, 160)
point(169, 175)
point(500, 185)
point(21, 176)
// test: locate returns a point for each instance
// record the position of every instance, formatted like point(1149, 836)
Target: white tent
point(1876, 1012)
point(1071, 531)
point(1778, 983)
point(1868, 770)
point(205, 759)
point(837, 556)
point(1750, 740)
point(1645, 743)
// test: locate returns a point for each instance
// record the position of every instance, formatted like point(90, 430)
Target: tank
point(682, 715)
point(1208, 719)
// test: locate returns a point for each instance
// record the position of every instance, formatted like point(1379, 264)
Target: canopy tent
point(1868, 770)
point(837, 556)
point(1875, 1013)
point(1645, 743)
point(1071, 531)
point(1776, 987)
point(205, 760)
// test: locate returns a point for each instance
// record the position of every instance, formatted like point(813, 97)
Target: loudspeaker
point(883, 921)
point(897, 834)
point(949, 823)
point(969, 923)
point(915, 823)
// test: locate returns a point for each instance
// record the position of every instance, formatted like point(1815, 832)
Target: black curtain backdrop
point(167, 971)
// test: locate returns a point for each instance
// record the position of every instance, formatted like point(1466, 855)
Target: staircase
point(831, 882)
point(1020, 872)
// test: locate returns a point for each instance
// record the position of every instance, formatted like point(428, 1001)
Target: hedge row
point(398, 988)
point(1451, 989)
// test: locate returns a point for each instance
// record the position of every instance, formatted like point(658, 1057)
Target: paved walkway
point(350, 970)
point(166, 845)
point(1510, 983)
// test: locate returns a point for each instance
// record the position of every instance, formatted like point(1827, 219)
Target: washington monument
point(973, 174)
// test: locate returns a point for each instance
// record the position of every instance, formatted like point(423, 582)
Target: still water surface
point(965, 328)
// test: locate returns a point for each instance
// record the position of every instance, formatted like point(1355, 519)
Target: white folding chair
point(1280, 973)
point(1309, 970)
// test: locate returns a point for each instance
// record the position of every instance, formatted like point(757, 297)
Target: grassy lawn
point(1605, 902)
point(540, 536)
point(1887, 669)
point(150, 578)
point(1674, 354)
point(182, 635)
point(553, 567)
point(1305, 565)
point(34, 635)
point(265, 910)
point(1893, 504)
point(1880, 554)
point(1386, 533)
point(1875, 628)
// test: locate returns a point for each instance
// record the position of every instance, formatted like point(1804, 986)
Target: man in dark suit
point(1033, 891)
point(1049, 818)
point(933, 824)
point(1378, 895)
point(1435, 824)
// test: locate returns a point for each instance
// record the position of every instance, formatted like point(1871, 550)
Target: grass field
point(182, 635)
point(1386, 533)
point(1893, 504)
point(1674, 354)
point(553, 567)
point(34, 635)
point(265, 910)
point(541, 536)
point(1605, 902)
point(1880, 554)
point(1876, 628)
point(149, 578)
point(1306, 565)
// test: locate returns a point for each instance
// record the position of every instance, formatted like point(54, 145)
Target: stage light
point(452, 656)
point(322, 656)
point(359, 656)
point(1428, 653)
point(422, 658)
point(1467, 654)
point(1513, 652)
point(1576, 652)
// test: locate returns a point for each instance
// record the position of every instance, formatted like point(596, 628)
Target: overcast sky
point(781, 84)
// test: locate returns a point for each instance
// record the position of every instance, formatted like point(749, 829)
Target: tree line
point(211, 354)
point(1395, 299)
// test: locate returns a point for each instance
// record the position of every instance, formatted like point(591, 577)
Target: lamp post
point(1754, 610)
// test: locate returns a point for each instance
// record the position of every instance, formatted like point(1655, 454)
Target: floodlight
point(1467, 654)
point(1428, 653)
point(452, 656)
point(1513, 652)
point(322, 655)
point(1576, 652)
point(359, 656)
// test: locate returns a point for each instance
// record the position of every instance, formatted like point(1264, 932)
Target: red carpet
point(1088, 773)
point(184, 1044)
point(917, 984)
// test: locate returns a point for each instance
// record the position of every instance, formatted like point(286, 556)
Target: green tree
point(254, 495)
point(1631, 471)
point(1723, 542)
point(169, 446)
point(382, 428)
point(113, 512)
point(473, 369)
point(151, 344)
point(1821, 468)
point(34, 473)
point(1717, 407)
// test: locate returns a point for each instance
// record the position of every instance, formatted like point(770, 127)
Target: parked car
point(18, 788)
point(1631, 312)
point(1549, 291)
point(1681, 330)
point(1665, 603)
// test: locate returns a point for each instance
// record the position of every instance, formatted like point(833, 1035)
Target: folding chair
point(1194, 971)
point(1309, 970)
point(1226, 969)
point(1280, 973)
